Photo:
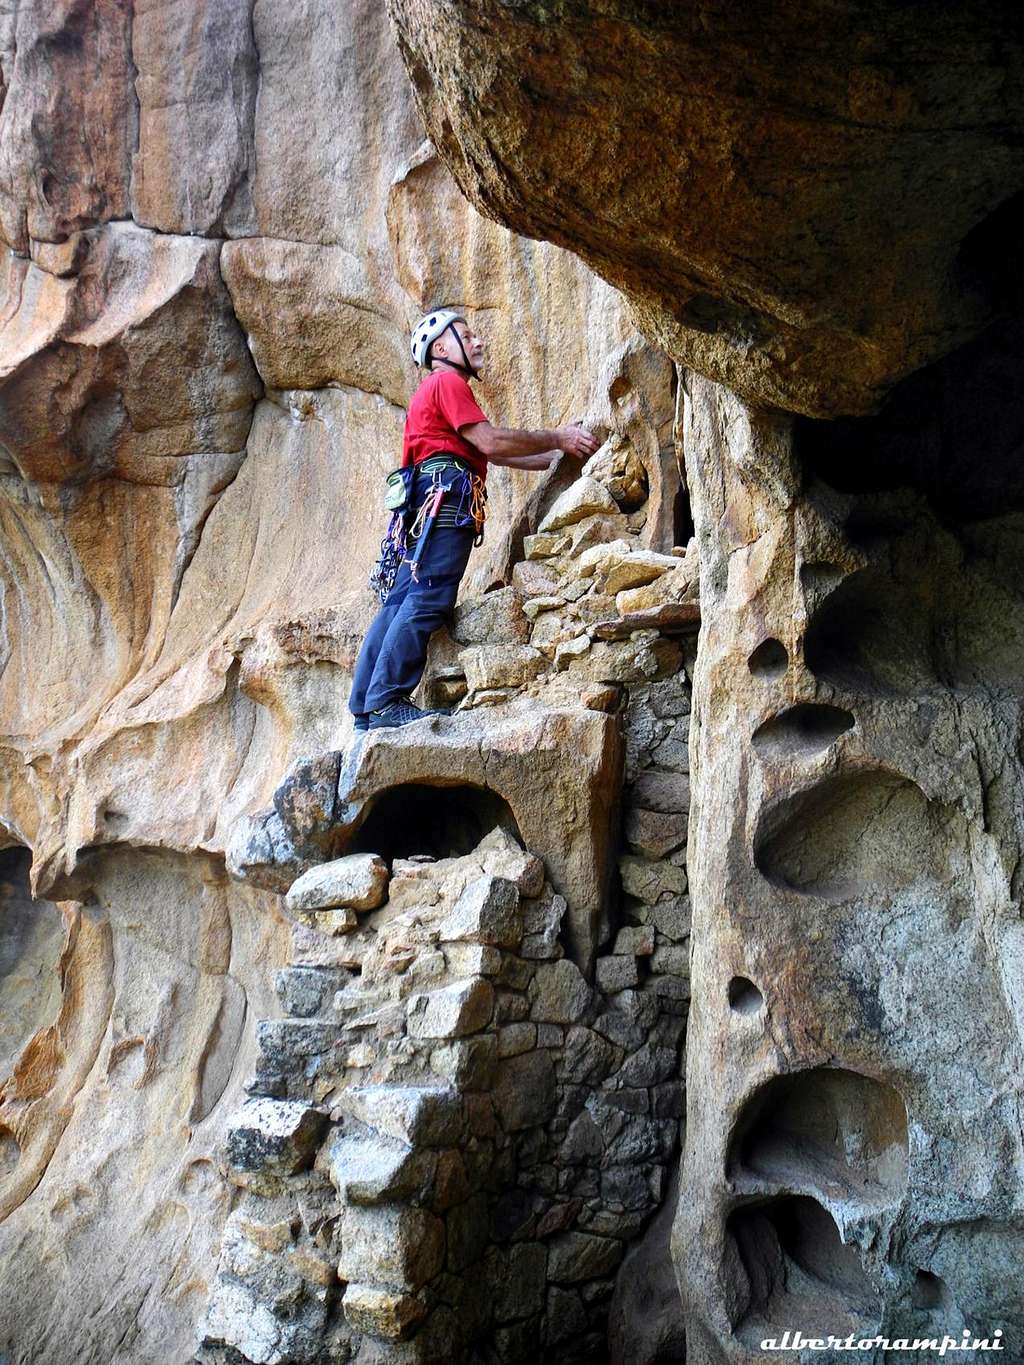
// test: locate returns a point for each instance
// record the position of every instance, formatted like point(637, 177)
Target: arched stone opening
point(437, 821)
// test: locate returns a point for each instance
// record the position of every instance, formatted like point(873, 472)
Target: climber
point(447, 447)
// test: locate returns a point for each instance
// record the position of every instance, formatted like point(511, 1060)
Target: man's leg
point(370, 648)
point(425, 605)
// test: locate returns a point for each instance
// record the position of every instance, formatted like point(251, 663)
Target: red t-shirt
point(440, 407)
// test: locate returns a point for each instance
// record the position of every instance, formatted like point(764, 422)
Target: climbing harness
point(450, 478)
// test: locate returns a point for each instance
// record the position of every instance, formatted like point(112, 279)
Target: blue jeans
point(394, 651)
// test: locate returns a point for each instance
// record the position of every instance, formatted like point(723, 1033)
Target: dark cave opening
point(793, 1268)
point(433, 821)
point(953, 431)
point(32, 936)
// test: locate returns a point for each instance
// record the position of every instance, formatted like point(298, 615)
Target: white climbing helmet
point(428, 329)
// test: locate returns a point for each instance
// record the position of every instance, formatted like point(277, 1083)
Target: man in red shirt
point(448, 444)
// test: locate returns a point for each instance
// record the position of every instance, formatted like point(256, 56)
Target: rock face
point(763, 182)
point(854, 868)
point(314, 1050)
point(216, 228)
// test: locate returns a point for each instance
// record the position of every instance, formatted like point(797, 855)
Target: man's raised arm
point(528, 449)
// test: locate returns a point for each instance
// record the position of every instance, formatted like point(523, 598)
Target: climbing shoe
point(401, 711)
point(361, 722)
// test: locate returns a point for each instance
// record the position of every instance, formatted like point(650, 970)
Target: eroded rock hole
point(436, 821)
point(868, 833)
point(828, 1132)
point(793, 1269)
point(801, 731)
point(31, 939)
point(10, 1152)
point(929, 1291)
point(769, 660)
point(744, 997)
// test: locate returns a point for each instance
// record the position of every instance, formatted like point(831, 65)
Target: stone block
point(605, 697)
point(467, 1064)
point(333, 922)
point(402, 1246)
point(667, 793)
point(544, 545)
point(497, 666)
point(310, 948)
point(486, 912)
point(600, 559)
point(637, 940)
point(536, 579)
point(578, 1256)
point(649, 881)
point(382, 1312)
point(496, 618)
point(518, 1277)
point(419, 1116)
point(471, 959)
point(568, 650)
point(467, 1234)
point(653, 834)
point(647, 1067)
point(453, 1011)
point(588, 1058)
point(584, 498)
point(672, 918)
point(541, 947)
point(639, 568)
point(536, 606)
point(524, 1091)
point(514, 1039)
point(358, 881)
point(616, 973)
point(374, 1170)
point(558, 993)
point(305, 991)
point(273, 1137)
point(670, 698)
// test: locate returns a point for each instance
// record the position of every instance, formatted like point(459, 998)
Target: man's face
point(447, 346)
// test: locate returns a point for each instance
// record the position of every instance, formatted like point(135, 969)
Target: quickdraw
point(389, 561)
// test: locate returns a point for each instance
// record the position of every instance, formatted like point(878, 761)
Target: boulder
point(358, 881)
point(779, 284)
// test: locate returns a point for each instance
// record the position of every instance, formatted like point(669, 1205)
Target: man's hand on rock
point(576, 441)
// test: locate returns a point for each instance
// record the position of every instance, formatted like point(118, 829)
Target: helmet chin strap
point(465, 368)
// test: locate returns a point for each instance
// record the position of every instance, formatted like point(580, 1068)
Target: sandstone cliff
point(428, 1104)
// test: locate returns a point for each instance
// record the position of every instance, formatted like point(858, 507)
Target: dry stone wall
point(453, 1137)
